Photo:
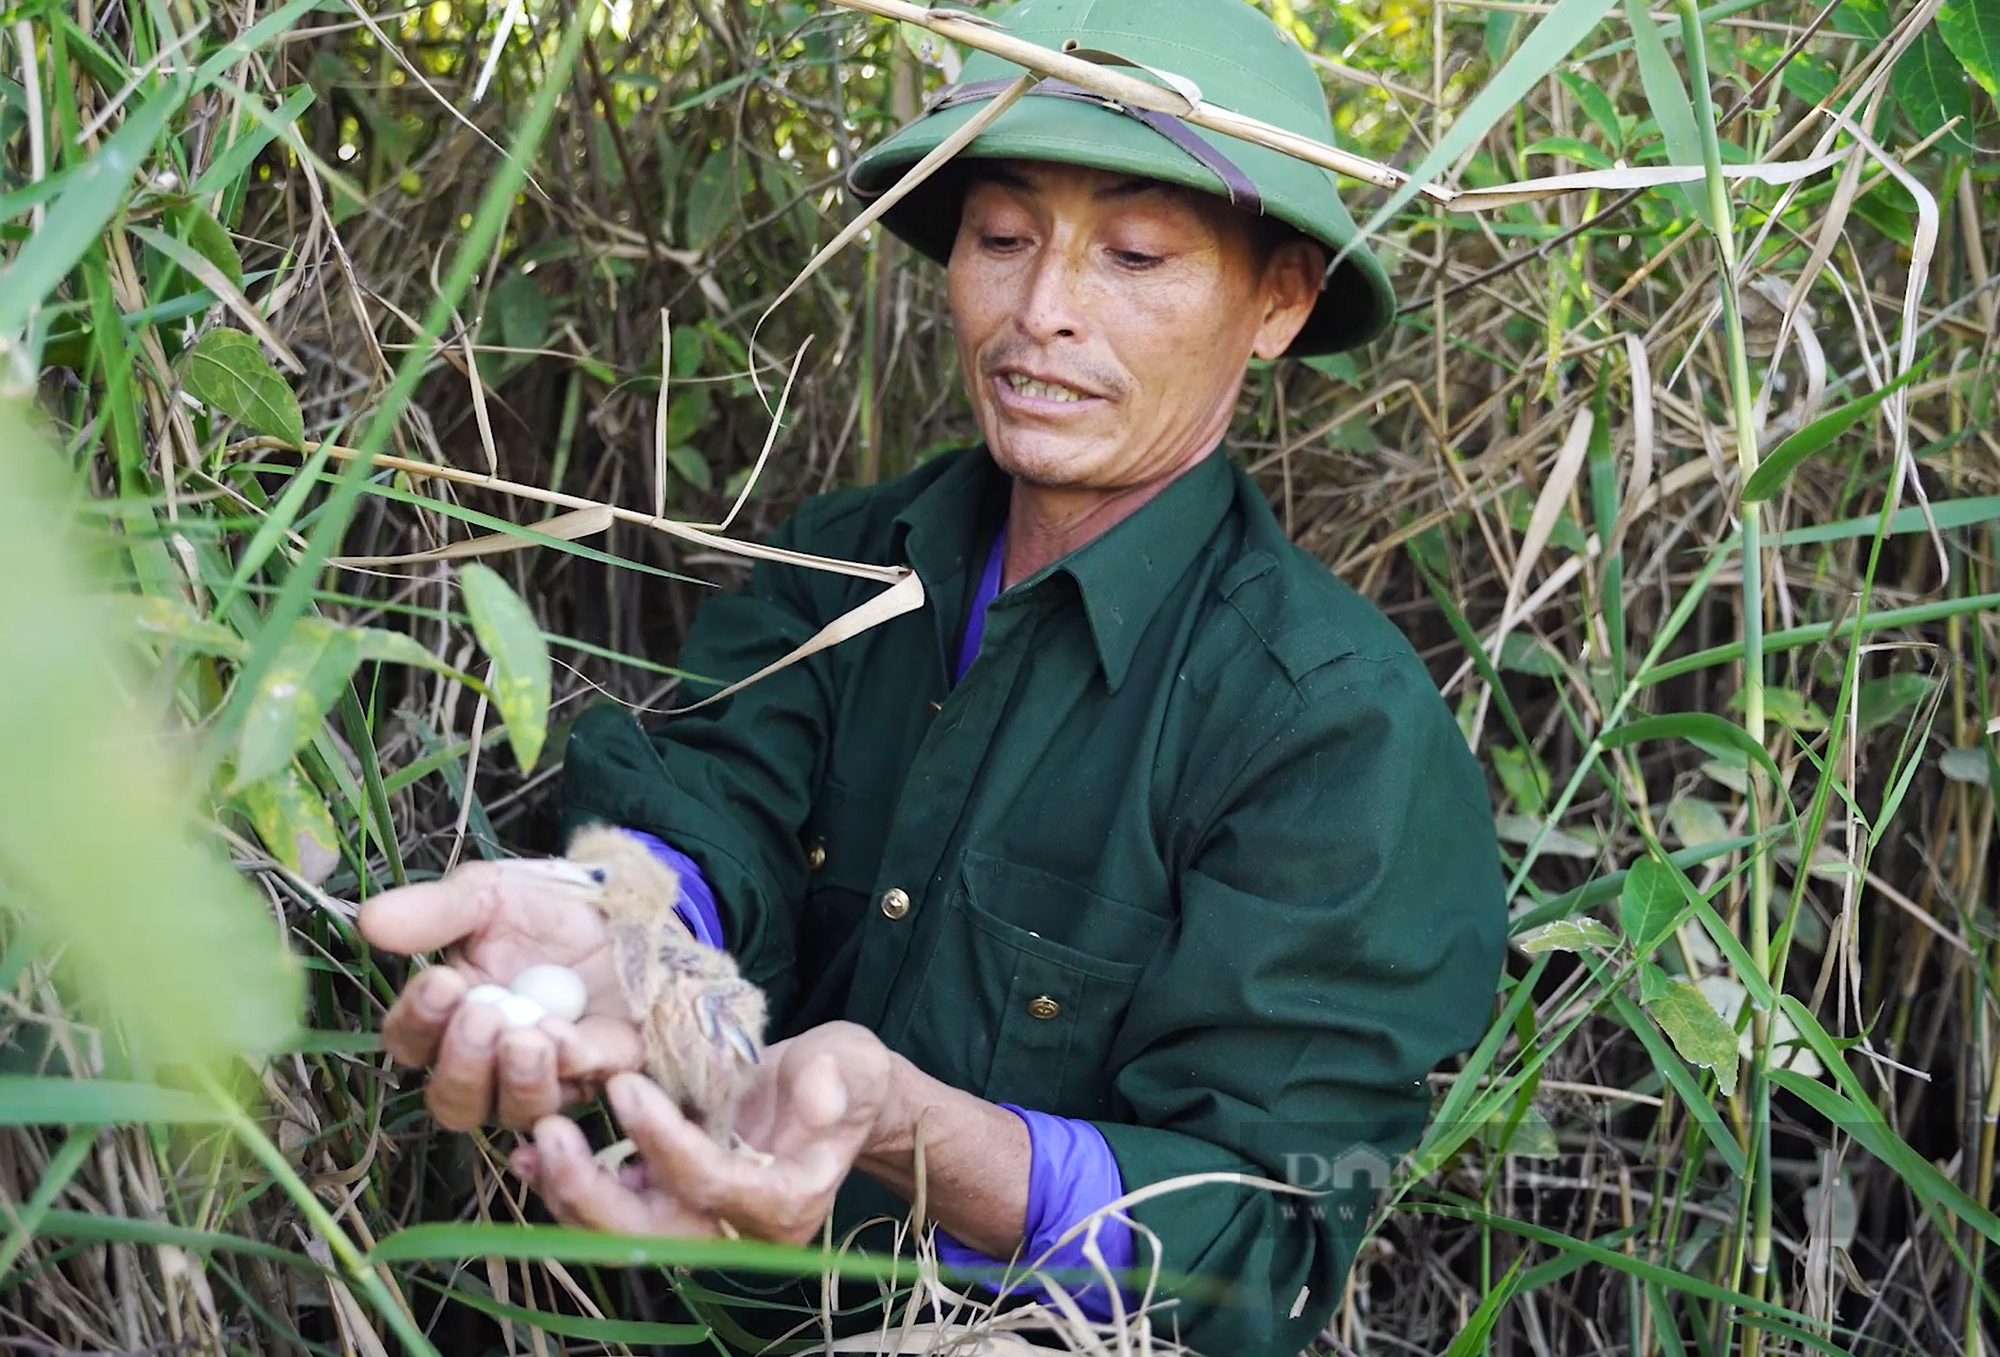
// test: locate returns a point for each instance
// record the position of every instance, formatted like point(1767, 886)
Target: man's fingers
point(416, 1022)
point(527, 1080)
point(785, 1200)
point(432, 914)
point(676, 1151)
point(580, 1191)
point(592, 1049)
point(461, 1089)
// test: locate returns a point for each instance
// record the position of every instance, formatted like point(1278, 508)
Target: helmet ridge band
point(1242, 193)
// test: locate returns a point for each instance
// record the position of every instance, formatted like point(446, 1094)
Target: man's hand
point(498, 919)
point(814, 1109)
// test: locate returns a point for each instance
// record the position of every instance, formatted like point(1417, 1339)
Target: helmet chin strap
point(1242, 193)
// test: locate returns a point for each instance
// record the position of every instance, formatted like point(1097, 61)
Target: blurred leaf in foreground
point(522, 675)
point(100, 842)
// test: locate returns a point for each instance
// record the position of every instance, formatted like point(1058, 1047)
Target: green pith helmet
point(1240, 61)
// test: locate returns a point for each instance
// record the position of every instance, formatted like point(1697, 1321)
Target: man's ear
point(1288, 292)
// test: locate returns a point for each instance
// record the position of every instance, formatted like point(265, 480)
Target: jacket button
point(895, 903)
point(1043, 1007)
point(815, 855)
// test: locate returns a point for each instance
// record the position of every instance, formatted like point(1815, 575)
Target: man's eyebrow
point(1132, 188)
point(995, 174)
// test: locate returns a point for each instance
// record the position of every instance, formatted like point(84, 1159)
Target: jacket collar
point(1123, 576)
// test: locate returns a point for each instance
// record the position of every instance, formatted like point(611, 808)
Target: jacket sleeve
point(729, 785)
point(1341, 931)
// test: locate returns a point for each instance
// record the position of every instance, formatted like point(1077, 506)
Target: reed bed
point(354, 360)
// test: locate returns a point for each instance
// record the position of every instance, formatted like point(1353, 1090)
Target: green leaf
point(692, 467)
point(1648, 903)
point(205, 236)
point(557, 1243)
point(1524, 654)
point(76, 219)
point(1521, 772)
point(294, 823)
point(524, 314)
point(1971, 29)
point(1531, 1136)
point(1555, 36)
point(1883, 700)
point(1697, 821)
point(1597, 105)
point(1569, 148)
point(1932, 88)
point(98, 816)
point(1673, 111)
point(46, 1100)
point(1696, 1029)
point(640, 1332)
point(382, 646)
point(1471, 1340)
point(1861, 1120)
point(1706, 729)
point(1856, 1114)
point(512, 639)
point(1339, 366)
point(97, 1228)
point(1966, 765)
point(171, 620)
point(228, 371)
point(1778, 465)
point(300, 684)
point(1788, 707)
point(1633, 1264)
point(1863, 18)
point(686, 413)
point(1566, 935)
point(690, 350)
point(1676, 1074)
point(711, 199)
point(232, 160)
point(1809, 79)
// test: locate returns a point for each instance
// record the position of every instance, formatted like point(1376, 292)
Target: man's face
point(1104, 322)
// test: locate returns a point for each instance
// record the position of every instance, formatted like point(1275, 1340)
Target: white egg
point(488, 994)
point(558, 989)
point(521, 1011)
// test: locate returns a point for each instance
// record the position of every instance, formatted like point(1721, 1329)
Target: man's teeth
point(1050, 391)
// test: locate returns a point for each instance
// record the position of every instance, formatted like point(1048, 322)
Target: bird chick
point(701, 1023)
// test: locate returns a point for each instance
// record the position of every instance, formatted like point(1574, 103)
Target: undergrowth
point(344, 410)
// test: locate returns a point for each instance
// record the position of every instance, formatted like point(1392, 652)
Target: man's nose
point(1053, 306)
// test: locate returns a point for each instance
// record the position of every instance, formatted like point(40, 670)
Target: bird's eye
point(599, 875)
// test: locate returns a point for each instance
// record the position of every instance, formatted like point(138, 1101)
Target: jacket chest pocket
point(1027, 987)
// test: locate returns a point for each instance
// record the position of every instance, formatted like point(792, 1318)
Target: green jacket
point(1195, 851)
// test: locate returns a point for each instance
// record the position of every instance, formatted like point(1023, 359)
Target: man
point(1146, 849)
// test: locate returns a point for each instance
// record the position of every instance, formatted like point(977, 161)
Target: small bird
point(701, 1023)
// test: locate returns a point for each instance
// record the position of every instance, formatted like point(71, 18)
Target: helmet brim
point(1356, 303)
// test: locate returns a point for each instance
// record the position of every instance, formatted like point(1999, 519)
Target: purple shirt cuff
point(697, 903)
point(1071, 1174)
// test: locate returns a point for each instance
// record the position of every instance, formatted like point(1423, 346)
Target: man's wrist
point(890, 1146)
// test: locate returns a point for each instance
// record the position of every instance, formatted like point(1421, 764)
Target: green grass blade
point(77, 218)
point(50, 1100)
point(1781, 461)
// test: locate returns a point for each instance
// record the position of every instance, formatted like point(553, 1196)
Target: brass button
point(895, 903)
point(1043, 1007)
point(815, 855)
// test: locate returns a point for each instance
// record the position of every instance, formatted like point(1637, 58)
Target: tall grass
point(1686, 492)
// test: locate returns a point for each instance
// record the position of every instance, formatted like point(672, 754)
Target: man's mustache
point(1084, 376)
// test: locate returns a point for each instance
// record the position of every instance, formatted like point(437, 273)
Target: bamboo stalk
point(1742, 397)
point(1129, 89)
